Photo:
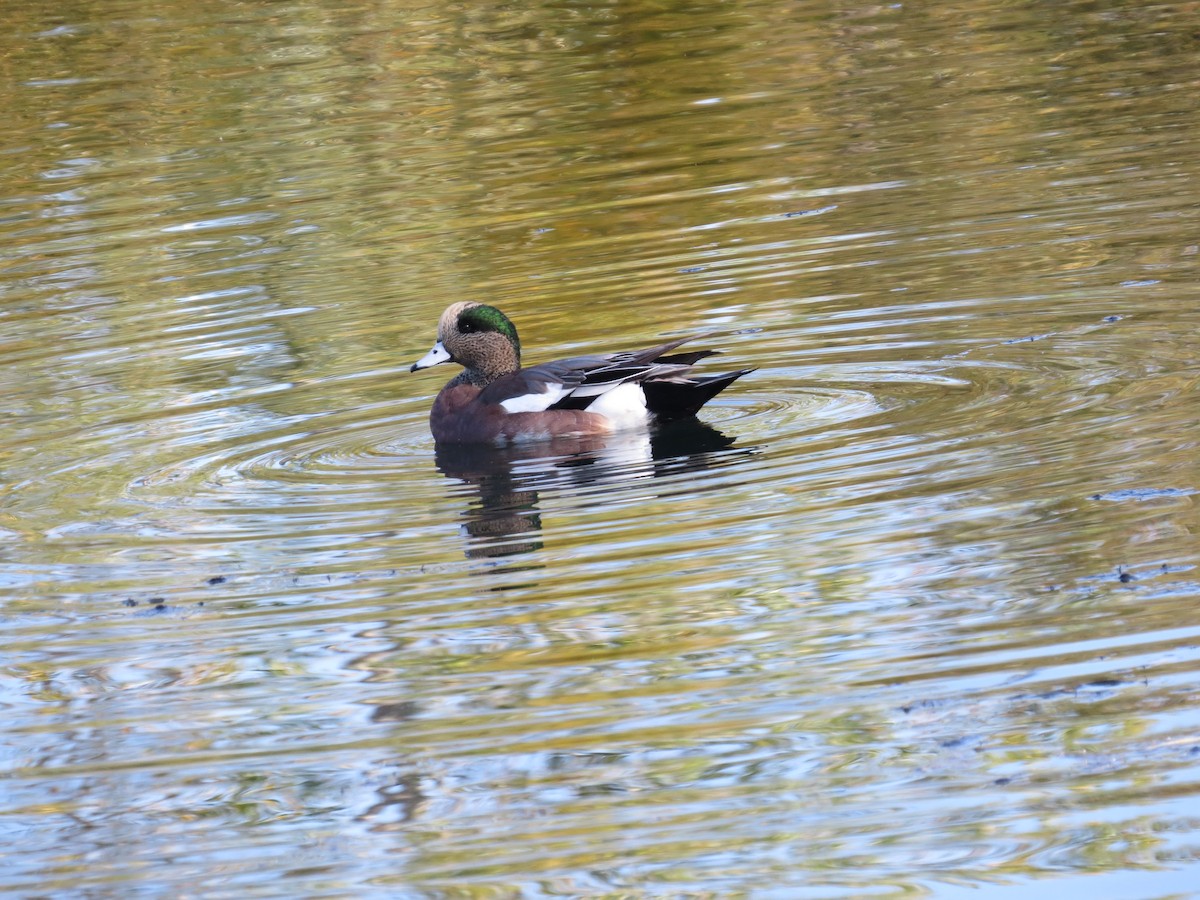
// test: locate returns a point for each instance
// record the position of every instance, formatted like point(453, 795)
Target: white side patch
point(535, 402)
point(624, 406)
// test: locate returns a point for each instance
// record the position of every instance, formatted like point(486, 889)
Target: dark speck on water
point(1142, 494)
point(809, 212)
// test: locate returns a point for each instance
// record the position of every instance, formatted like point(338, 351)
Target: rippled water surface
point(914, 610)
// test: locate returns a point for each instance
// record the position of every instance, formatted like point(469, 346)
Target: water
point(911, 613)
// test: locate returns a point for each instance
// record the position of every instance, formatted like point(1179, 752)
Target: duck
point(496, 401)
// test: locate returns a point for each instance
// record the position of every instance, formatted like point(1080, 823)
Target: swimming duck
point(495, 401)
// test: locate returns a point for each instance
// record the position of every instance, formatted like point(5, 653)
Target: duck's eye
point(467, 327)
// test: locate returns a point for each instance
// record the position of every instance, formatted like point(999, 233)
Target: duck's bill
point(438, 354)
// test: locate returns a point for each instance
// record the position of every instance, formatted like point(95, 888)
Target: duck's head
point(476, 336)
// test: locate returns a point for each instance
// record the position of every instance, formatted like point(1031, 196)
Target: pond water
point(913, 611)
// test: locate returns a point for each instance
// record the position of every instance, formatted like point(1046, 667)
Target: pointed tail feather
point(687, 359)
point(668, 400)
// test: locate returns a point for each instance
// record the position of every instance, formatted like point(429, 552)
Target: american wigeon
point(495, 401)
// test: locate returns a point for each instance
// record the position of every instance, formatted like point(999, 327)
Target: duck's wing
point(668, 388)
point(540, 387)
point(577, 382)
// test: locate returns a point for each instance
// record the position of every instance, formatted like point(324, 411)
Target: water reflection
point(503, 519)
point(892, 648)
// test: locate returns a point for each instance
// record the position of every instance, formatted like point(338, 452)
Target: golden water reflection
point(504, 518)
point(926, 626)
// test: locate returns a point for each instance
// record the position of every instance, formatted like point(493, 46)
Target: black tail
point(668, 400)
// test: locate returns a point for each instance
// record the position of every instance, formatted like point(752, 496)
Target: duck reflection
point(503, 519)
